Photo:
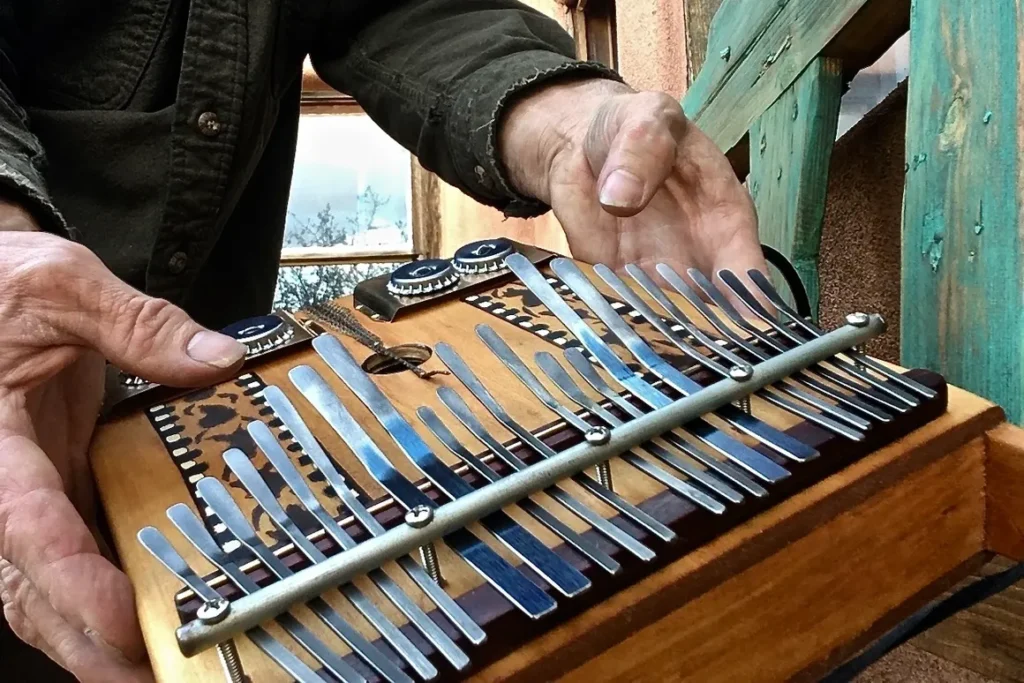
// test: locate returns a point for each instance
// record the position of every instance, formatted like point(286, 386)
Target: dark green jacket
point(161, 133)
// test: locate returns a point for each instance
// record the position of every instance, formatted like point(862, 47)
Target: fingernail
point(215, 349)
point(622, 189)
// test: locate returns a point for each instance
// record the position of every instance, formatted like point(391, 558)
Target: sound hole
point(413, 354)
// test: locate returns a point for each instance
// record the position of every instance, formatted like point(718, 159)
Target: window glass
point(302, 286)
point(351, 187)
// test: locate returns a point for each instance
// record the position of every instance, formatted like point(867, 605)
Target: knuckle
point(138, 323)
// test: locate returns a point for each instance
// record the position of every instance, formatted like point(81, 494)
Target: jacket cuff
point(475, 120)
point(20, 182)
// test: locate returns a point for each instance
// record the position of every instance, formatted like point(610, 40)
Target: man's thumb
point(155, 339)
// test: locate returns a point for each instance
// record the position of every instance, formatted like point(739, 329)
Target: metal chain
point(343, 320)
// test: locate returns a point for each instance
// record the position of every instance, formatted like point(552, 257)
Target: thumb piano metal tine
point(762, 283)
point(505, 578)
point(158, 545)
point(758, 310)
point(508, 357)
point(289, 416)
point(777, 440)
point(565, 384)
point(589, 373)
point(754, 462)
point(272, 448)
point(437, 427)
point(246, 472)
point(463, 414)
point(691, 296)
point(556, 571)
point(458, 367)
point(768, 393)
point(191, 528)
point(224, 506)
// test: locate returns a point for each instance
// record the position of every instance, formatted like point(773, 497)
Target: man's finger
point(39, 625)
point(43, 536)
point(642, 153)
point(80, 298)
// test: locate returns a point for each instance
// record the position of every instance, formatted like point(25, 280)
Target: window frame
point(320, 99)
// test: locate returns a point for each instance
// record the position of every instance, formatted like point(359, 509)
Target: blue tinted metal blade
point(559, 573)
point(756, 463)
point(519, 590)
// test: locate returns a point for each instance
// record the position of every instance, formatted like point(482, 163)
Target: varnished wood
point(936, 472)
point(833, 509)
point(1004, 524)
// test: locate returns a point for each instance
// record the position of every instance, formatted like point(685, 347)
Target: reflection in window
point(351, 186)
point(302, 286)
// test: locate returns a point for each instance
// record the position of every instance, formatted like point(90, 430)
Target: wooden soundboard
point(780, 588)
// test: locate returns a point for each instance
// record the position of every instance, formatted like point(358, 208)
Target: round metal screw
point(604, 474)
point(741, 373)
point(858, 319)
point(431, 563)
point(598, 436)
point(231, 662)
point(214, 611)
point(419, 516)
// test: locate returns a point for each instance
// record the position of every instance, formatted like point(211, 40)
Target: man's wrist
point(15, 218)
point(546, 123)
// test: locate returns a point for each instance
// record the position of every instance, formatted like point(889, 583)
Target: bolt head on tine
point(741, 373)
point(419, 516)
point(214, 611)
point(857, 319)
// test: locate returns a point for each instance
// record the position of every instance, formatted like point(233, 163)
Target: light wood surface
point(932, 480)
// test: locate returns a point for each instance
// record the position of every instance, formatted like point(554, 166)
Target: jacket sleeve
point(437, 75)
point(21, 156)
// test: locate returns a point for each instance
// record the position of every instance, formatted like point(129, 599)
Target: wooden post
point(790, 150)
point(963, 266)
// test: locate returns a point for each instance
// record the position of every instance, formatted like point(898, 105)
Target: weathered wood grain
point(757, 50)
point(963, 254)
point(698, 15)
point(789, 163)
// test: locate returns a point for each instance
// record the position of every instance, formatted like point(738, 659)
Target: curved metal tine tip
point(715, 346)
point(516, 365)
point(293, 422)
point(239, 463)
point(572, 391)
point(216, 496)
point(740, 290)
point(756, 463)
point(768, 394)
point(649, 358)
point(556, 571)
point(157, 544)
point(275, 453)
point(437, 427)
point(726, 469)
point(461, 370)
point(193, 529)
point(553, 369)
point(460, 409)
point(508, 580)
point(770, 344)
point(768, 290)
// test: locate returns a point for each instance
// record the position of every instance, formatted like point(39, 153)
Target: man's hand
point(62, 313)
point(630, 179)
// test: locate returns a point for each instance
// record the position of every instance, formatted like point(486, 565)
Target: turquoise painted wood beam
point(758, 48)
point(963, 235)
point(790, 150)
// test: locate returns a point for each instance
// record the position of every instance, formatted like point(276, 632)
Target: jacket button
point(178, 262)
point(209, 124)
